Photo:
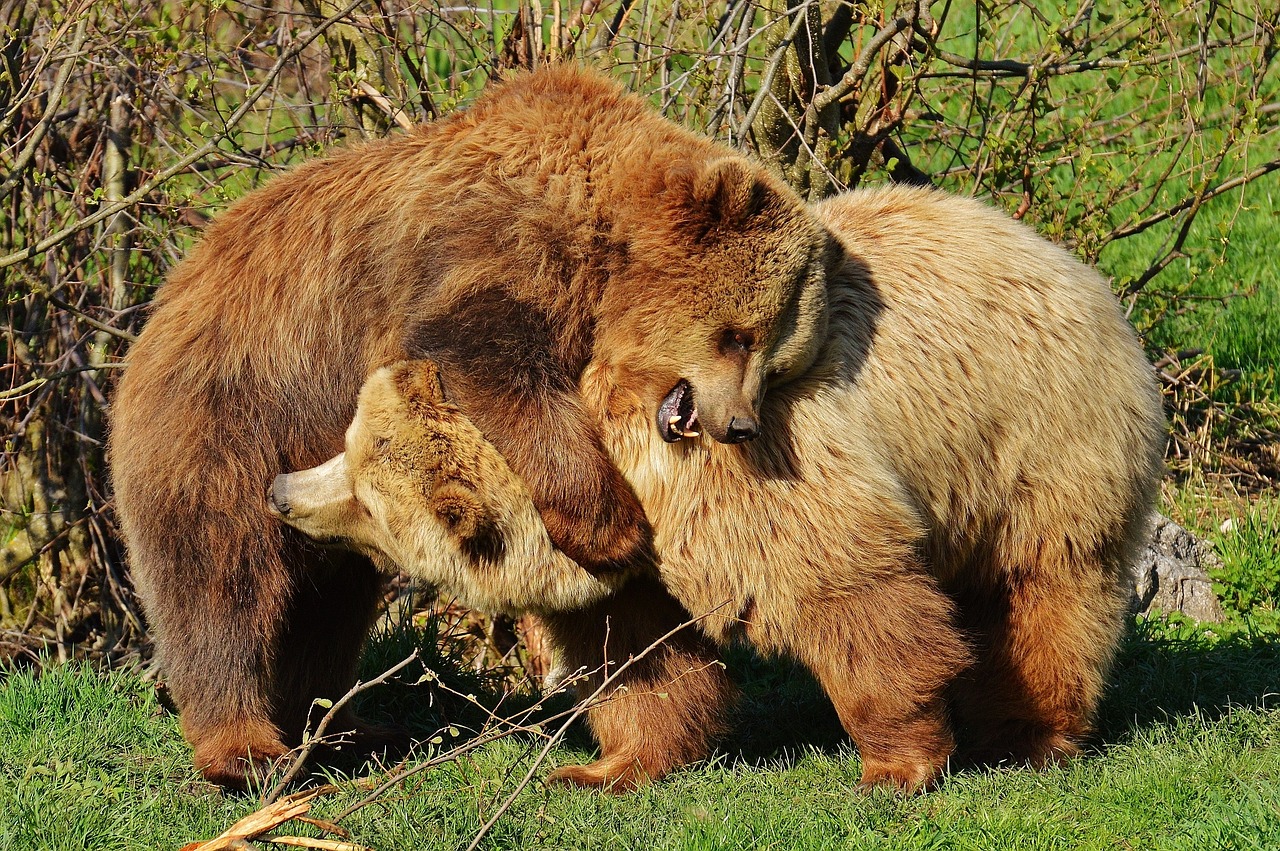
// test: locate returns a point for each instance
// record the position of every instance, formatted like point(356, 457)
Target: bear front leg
point(885, 653)
point(504, 364)
point(665, 710)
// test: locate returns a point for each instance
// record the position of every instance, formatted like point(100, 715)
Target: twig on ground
point(582, 707)
point(318, 738)
point(271, 816)
point(308, 842)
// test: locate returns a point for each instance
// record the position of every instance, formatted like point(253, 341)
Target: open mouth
point(678, 415)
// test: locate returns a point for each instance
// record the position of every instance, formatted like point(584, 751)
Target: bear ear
point(469, 520)
point(727, 192)
point(418, 382)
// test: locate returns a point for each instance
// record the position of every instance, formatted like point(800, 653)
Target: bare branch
point(582, 707)
point(108, 210)
point(853, 78)
point(318, 737)
point(51, 109)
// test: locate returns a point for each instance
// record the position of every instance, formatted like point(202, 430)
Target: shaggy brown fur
point(557, 222)
point(929, 521)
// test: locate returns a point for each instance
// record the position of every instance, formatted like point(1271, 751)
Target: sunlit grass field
point(1188, 756)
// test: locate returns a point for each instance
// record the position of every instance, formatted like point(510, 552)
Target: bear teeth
point(678, 413)
point(686, 431)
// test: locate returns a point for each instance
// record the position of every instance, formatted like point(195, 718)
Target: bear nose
point(275, 501)
point(742, 429)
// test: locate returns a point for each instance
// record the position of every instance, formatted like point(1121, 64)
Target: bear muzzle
point(311, 500)
point(741, 429)
point(730, 421)
point(277, 501)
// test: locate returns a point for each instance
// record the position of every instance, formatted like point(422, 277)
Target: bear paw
point(238, 766)
point(905, 776)
point(615, 775)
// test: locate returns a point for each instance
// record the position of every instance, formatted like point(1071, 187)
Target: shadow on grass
point(1163, 671)
point(437, 700)
point(1167, 670)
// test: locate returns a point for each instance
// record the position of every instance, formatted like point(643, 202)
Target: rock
point(1171, 574)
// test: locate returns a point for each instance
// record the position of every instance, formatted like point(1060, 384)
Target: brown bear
point(937, 518)
point(557, 222)
point(417, 489)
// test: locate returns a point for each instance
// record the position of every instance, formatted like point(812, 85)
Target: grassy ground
point(1235, 280)
point(1188, 757)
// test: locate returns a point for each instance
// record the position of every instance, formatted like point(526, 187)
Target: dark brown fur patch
point(503, 368)
point(468, 518)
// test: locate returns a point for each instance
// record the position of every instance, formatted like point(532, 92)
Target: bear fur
point(417, 489)
point(557, 222)
point(937, 518)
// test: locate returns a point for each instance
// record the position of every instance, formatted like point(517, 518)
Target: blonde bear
point(418, 489)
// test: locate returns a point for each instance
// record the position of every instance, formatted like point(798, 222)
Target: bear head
point(419, 489)
point(723, 295)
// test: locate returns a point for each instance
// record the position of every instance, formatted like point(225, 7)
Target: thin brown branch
point(578, 711)
point(1186, 203)
point(36, 383)
point(51, 109)
point(39, 289)
point(853, 78)
point(1021, 68)
point(108, 210)
point(384, 103)
point(318, 737)
point(23, 92)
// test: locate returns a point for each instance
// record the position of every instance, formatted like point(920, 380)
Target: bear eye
point(733, 341)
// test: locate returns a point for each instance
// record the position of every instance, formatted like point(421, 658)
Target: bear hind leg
point(664, 710)
point(215, 645)
point(1045, 638)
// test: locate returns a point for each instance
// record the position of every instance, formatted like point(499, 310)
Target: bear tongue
point(677, 415)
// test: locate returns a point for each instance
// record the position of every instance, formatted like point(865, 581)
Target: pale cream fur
point(980, 388)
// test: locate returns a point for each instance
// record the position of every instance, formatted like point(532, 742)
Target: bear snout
point(277, 502)
point(742, 429)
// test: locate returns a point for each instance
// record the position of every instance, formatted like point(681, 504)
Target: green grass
point(1188, 757)
point(1234, 281)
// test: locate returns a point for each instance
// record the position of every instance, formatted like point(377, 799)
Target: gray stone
point(1171, 573)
